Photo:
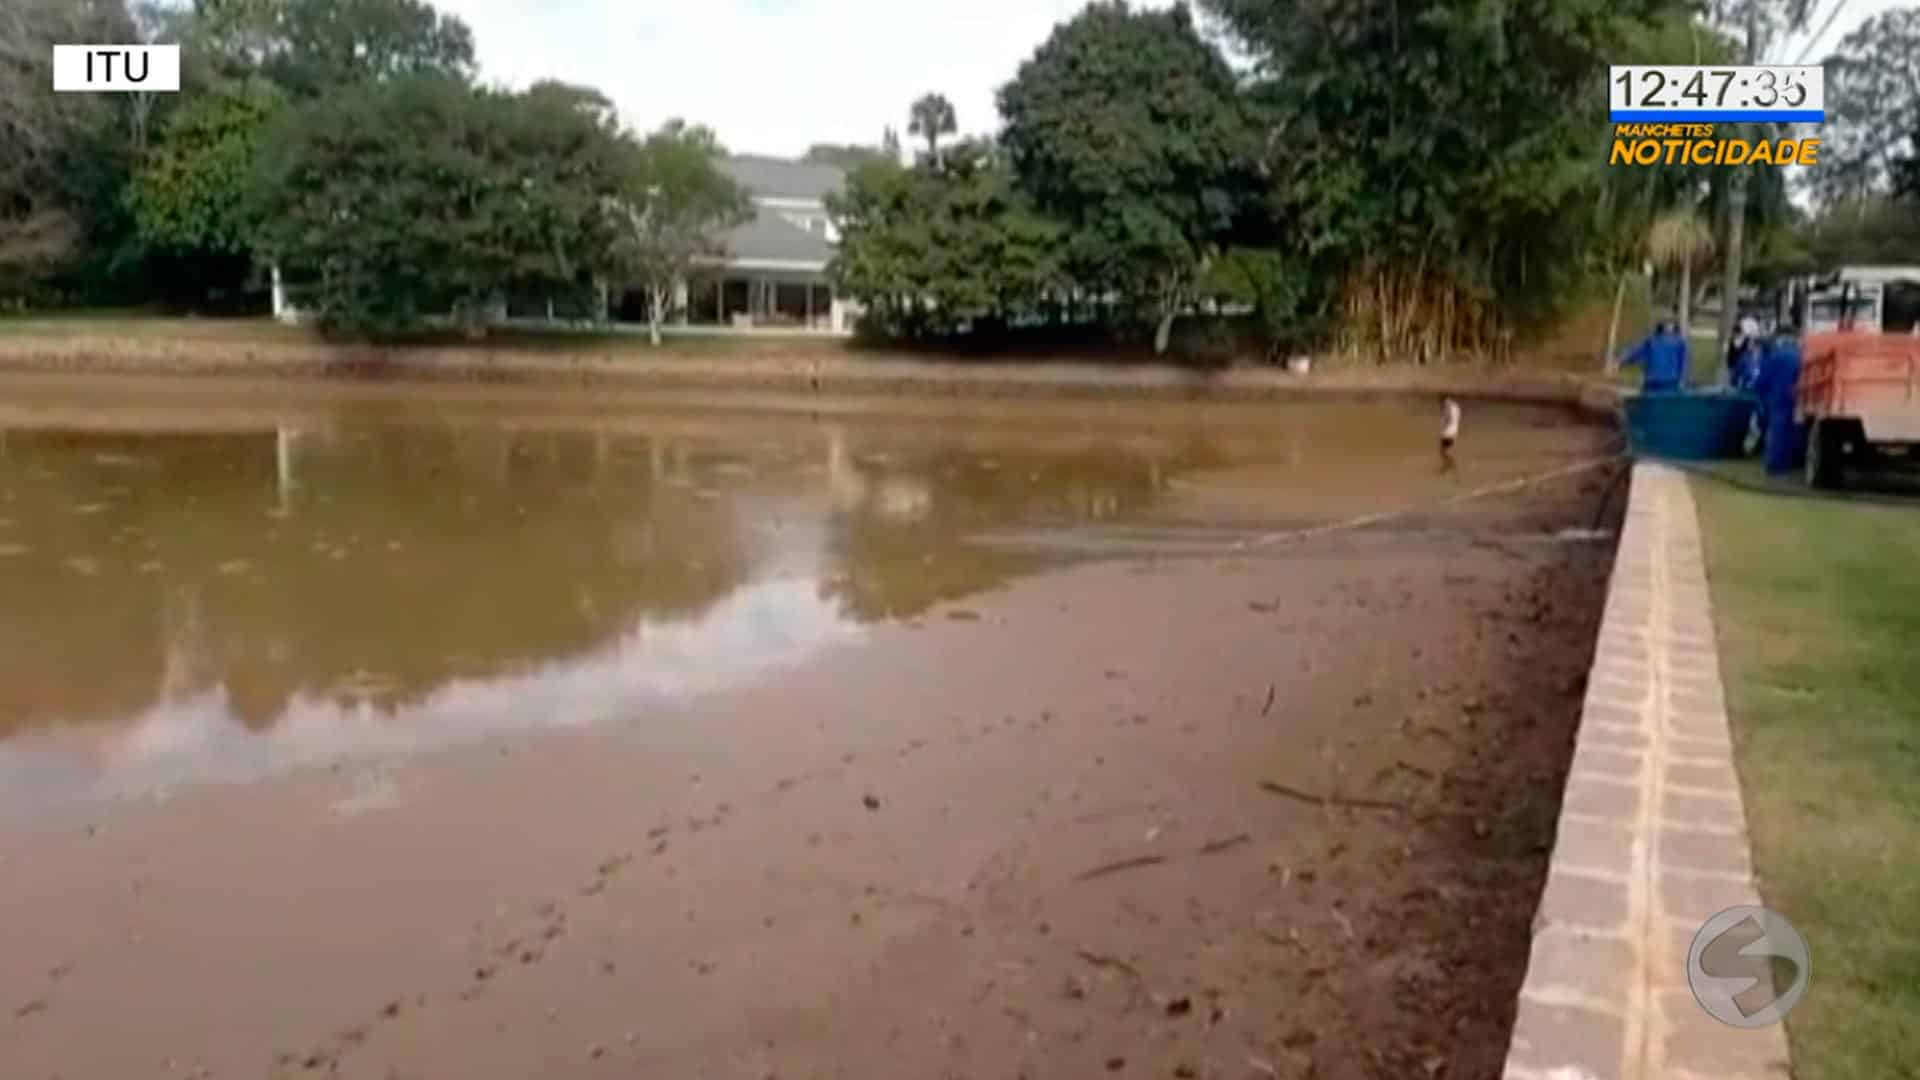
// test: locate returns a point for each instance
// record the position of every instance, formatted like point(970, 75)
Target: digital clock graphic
point(1766, 93)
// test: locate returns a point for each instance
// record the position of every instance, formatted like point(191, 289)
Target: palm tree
point(932, 117)
point(1681, 236)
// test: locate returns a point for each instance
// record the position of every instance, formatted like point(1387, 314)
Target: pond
point(218, 580)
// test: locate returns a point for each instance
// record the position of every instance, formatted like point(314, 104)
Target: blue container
point(1688, 427)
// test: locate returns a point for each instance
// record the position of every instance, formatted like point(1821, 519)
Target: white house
point(774, 272)
point(772, 277)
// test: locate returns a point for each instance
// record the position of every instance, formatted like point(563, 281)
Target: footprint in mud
point(605, 873)
point(719, 817)
point(44, 1001)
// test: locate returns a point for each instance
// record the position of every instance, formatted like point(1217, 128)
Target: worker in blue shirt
point(1779, 376)
point(1663, 359)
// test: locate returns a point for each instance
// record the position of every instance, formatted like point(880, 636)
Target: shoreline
point(782, 368)
point(1119, 873)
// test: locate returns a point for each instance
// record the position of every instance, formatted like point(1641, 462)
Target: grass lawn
point(1818, 606)
point(124, 324)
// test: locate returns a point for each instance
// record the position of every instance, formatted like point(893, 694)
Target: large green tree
point(1873, 98)
point(1434, 154)
point(943, 245)
point(1127, 127)
point(1874, 229)
point(245, 60)
point(408, 199)
point(674, 206)
point(62, 156)
point(184, 195)
point(315, 47)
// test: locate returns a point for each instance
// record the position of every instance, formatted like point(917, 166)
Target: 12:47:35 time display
point(1707, 88)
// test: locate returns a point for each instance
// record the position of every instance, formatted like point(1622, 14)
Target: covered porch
point(743, 299)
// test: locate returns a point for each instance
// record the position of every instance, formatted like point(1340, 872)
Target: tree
point(1430, 156)
point(932, 116)
point(1127, 127)
point(1274, 283)
point(1632, 200)
point(412, 198)
point(193, 230)
point(946, 245)
point(1873, 95)
point(1906, 173)
point(673, 206)
point(1759, 24)
point(1679, 237)
point(314, 47)
point(1875, 229)
point(63, 155)
point(183, 194)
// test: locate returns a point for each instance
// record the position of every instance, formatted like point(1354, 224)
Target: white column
point(280, 311)
point(680, 300)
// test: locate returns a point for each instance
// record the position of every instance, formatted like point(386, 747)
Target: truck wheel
point(1823, 454)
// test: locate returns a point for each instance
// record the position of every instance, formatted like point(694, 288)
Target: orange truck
point(1859, 395)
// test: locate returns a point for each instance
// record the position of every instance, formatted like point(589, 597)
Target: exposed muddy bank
point(1057, 780)
point(770, 369)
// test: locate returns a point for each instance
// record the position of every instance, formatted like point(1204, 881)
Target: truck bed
point(1871, 378)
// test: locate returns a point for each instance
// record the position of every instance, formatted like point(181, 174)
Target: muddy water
point(221, 581)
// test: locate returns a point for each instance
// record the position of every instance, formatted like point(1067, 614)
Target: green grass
point(142, 325)
point(1818, 609)
point(132, 323)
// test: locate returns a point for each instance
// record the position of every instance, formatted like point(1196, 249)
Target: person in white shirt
point(1449, 431)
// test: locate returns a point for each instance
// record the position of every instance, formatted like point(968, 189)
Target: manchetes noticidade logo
point(1696, 144)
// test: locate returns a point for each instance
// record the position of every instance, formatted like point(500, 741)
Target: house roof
point(781, 178)
point(770, 236)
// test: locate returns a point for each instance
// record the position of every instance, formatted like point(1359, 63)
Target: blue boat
point(1689, 426)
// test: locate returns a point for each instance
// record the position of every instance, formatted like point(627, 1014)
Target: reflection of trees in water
point(401, 558)
point(899, 534)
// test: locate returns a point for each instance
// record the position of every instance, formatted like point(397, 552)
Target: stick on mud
point(1277, 788)
point(1134, 863)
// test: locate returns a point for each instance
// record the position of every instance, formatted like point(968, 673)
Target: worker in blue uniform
point(1779, 376)
point(1663, 359)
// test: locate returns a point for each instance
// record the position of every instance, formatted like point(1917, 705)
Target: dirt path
point(1283, 814)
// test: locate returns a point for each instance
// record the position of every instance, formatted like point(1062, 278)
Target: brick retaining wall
point(1652, 838)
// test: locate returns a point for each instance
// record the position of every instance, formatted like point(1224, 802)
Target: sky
point(775, 76)
point(769, 76)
